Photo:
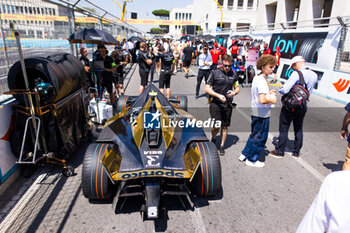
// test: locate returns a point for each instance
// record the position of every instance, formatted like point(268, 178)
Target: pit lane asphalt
point(270, 199)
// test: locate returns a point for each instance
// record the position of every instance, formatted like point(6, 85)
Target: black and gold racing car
point(152, 147)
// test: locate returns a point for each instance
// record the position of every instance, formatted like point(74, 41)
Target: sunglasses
point(226, 66)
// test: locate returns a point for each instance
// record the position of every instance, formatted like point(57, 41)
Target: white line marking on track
point(197, 221)
point(21, 204)
point(304, 164)
point(192, 71)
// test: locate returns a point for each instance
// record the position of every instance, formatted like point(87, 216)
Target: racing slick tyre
point(122, 103)
point(183, 102)
point(309, 49)
point(95, 183)
point(207, 180)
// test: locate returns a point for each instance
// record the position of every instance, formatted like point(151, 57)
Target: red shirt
point(223, 51)
point(234, 49)
point(278, 56)
point(267, 51)
point(215, 53)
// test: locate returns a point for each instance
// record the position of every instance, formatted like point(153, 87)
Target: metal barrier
point(45, 26)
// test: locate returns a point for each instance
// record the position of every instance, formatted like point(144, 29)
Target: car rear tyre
point(182, 102)
point(95, 183)
point(207, 180)
point(122, 103)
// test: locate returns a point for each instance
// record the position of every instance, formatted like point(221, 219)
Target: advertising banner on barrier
point(339, 88)
point(302, 44)
point(286, 72)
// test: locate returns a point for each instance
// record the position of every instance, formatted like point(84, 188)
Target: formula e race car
point(151, 148)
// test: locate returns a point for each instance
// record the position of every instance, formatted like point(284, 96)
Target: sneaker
point(186, 75)
point(196, 97)
point(242, 158)
point(274, 153)
point(221, 150)
point(295, 155)
point(254, 164)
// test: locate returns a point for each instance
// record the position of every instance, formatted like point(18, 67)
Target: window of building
point(42, 11)
point(30, 10)
point(31, 33)
point(39, 34)
point(186, 16)
point(190, 16)
point(250, 4)
point(34, 10)
point(8, 9)
point(183, 16)
point(26, 9)
point(5, 20)
point(240, 4)
point(3, 8)
point(38, 10)
point(50, 12)
point(53, 12)
point(46, 12)
point(21, 9)
point(17, 10)
point(221, 2)
point(230, 4)
point(176, 16)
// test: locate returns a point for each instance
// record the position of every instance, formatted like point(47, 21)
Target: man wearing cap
point(297, 114)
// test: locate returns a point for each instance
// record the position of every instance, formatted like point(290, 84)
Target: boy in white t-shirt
point(262, 98)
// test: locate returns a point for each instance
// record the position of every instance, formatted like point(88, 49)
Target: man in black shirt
point(144, 66)
point(86, 63)
point(107, 74)
point(186, 58)
point(118, 78)
point(222, 85)
point(168, 61)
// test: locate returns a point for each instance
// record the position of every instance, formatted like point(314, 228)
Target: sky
point(143, 8)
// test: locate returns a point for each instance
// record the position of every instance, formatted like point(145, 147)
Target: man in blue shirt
point(295, 115)
point(345, 133)
point(205, 61)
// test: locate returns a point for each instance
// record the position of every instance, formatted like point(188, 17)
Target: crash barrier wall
point(324, 50)
point(7, 159)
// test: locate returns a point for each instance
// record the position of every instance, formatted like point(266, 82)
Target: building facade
point(33, 19)
point(236, 14)
point(279, 14)
point(180, 14)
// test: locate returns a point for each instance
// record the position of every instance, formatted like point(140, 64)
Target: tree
point(156, 31)
point(162, 14)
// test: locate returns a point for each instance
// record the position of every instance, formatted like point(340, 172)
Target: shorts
point(118, 77)
point(275, 70)
point(164, 79)
point(157, 59)
point(144, 77)
point(221, 112)
point(187, 63)
point(107, 82)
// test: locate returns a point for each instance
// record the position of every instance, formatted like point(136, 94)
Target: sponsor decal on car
point(151, 173)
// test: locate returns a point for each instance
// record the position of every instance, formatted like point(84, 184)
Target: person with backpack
point(296, 92)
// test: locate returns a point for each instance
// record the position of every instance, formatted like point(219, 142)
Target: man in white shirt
point(205, 61)
point(329, 212)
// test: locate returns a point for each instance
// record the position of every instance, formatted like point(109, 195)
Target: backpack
point(297, 96)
